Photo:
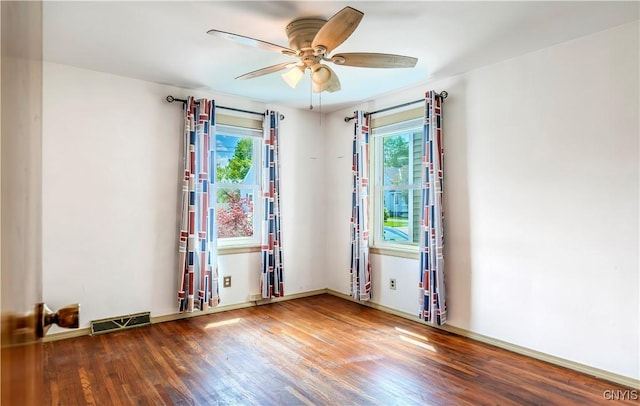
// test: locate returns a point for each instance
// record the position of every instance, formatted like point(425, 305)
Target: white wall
point(111, 164)
point(536, 147)
point(21, 167)
point(542, 179)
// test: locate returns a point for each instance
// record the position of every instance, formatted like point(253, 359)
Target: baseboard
point(187, 315)
point(291, 297)
point(576, 366)
point(585, 369)
point(179, 316)
point(67, 334)
point(244, 305)
point(376, 306)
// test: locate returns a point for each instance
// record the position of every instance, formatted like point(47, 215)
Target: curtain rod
point(171, 99)
point(442, 95)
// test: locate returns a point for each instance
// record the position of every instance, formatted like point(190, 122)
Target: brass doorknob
point(67, 317)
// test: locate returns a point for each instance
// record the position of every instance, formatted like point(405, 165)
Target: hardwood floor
point(320, 350)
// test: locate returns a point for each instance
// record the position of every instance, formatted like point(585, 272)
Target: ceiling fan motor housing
point(302, 31)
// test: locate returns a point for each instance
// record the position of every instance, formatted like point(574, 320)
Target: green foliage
point(239, 164)
point(396, 152)
point(397, 222)
point(385, 214)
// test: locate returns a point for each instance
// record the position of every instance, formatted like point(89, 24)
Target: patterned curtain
point(360, 266)
point(433, 308)
point(272, 282)
point(197, 249)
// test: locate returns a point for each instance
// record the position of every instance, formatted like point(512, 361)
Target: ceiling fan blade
point(339, 27)
point(267, 70)
point(252, 42)
point(373, 60)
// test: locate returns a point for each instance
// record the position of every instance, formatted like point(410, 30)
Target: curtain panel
point(272, 282)
point(433, 307)
point(198, 271)
point(360, 266)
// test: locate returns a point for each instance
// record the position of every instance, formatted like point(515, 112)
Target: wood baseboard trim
point(376, 306)
point(179, 316)
point(244, 305)
point(67, 334)
point(576, 366)
point(187, 315)
point(291, 297)
point(585, 369)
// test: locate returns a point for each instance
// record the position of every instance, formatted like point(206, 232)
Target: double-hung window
point(396, 162)
point(238, 164)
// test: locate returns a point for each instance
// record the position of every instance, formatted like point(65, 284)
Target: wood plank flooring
point(320, 350)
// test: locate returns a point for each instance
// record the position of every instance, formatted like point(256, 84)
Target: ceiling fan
point(311, 40)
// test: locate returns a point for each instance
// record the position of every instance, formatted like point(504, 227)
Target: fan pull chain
point(311, 95)
point(320, 107)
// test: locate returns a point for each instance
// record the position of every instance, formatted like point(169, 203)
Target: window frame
point(413, 125)
point(255, 188)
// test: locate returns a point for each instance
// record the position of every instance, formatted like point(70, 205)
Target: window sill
point(238, 249)
point(396, 252)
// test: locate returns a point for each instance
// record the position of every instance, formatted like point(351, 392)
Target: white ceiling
point(166, 42)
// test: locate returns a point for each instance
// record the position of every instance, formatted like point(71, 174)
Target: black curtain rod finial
point(172, 99)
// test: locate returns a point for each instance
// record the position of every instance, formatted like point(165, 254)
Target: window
point(396, 164)
point(238, 163)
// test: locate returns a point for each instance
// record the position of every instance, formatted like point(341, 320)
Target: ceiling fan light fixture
point(324, 78)
point(320, 74)
point(293, 76)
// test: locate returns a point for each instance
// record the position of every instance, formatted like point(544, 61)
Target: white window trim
point(377, 174)
point(256, 239)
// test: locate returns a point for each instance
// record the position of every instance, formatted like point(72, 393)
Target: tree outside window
point(236, 185)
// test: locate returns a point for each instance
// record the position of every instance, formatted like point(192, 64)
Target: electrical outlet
point(392, 284)
point(226, 282)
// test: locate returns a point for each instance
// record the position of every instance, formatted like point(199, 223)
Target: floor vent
point(120, 323)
